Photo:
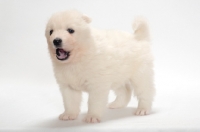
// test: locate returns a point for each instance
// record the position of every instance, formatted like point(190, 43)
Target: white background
point(29, 95)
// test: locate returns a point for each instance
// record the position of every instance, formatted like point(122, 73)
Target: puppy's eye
point(70, 30)
point(51, 31)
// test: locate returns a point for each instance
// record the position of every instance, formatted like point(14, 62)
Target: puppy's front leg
point(72, 100)
point(96, 105)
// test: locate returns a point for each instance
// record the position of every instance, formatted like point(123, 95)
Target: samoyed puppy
point(97, 61)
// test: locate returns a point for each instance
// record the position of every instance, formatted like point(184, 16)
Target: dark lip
point(62, 59)
point(67, 52)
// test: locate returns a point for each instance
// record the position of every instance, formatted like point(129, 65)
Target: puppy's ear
point(86, 19)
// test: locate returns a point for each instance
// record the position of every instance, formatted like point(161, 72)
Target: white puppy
point(97, 61)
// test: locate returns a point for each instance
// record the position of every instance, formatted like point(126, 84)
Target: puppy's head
point(68, 35)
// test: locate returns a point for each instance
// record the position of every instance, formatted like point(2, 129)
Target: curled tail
point(141, 29)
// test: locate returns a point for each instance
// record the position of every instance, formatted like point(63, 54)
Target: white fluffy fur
point(100, 61)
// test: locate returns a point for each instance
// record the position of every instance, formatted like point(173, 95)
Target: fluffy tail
point(141, 29)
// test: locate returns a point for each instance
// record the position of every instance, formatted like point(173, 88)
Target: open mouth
point(62, 55)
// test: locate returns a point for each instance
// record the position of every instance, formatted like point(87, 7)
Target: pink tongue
point(62, 54)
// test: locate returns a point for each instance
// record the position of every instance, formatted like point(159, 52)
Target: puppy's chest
point(73, 79)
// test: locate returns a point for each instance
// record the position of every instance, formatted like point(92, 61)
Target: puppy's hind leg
point(144, 90)
point(123, 96)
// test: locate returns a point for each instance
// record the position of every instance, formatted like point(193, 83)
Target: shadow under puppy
point(97, 61)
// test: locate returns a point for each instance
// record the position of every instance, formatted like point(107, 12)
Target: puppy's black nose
point(57, 42)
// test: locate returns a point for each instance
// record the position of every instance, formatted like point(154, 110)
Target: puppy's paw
point(67, 116)
point(142, 112)
point(91, 119)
